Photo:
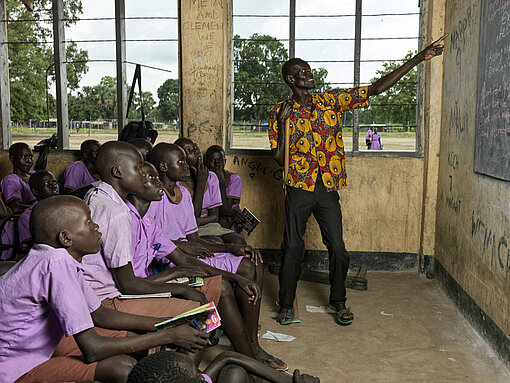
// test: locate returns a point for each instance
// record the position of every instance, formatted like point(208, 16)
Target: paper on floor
point(319, 309)
point(278, 336)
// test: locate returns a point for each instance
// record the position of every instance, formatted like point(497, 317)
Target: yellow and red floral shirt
point(316, 142)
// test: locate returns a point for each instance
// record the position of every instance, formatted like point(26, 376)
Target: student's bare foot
point(268, 359)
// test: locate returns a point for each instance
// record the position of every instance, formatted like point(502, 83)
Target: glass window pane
point(386, 42)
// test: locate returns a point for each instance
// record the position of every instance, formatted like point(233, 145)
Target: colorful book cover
point(205, 318)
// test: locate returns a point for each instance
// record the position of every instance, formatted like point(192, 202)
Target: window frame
point(355, 152)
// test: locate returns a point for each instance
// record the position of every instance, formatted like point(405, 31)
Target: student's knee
point(226, 289)
point(232, 373)
point(247, 269)
point(234, 238)
point(114, 369)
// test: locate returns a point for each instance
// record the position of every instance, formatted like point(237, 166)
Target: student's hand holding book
point(189, 272)
point(186, 337)
point(237, 216)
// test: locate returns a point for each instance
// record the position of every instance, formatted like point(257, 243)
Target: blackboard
point(492, 140)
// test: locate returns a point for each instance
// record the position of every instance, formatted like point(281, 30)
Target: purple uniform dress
point(23, 229)
point(77, 175)
point(233, 190)
point(177, 220)
point(148, 242)
point(8, 238)
point(108, 210)
point(212, 194)
point(14, 187)
point(376, 142)
point(41, 299)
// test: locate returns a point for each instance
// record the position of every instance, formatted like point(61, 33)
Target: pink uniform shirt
point(178, 220)
point(41, 299)
point(77, 175)
point(233, 189)
point(23, 229)
point(175, 220)
point(212, 194)
point(8, 238)
point(14, 187)
point(112, 215)
point(148, 242)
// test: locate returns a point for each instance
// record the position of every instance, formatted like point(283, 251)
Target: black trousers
point(299, 204)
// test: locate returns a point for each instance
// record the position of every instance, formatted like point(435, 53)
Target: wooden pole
point(5, 104)
point(286, 154)
point(59, 53)
point(285, 174)
point(120, 58)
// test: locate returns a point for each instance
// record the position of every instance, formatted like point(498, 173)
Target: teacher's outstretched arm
point(386, 82)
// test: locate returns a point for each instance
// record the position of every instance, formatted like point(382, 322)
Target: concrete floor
point(405, 330)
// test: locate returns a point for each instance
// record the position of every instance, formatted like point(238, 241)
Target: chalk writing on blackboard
point(492, 150)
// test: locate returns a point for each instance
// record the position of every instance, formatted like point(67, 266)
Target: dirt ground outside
point(250, 140)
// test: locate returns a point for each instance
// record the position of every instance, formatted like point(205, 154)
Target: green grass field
point(241, 139)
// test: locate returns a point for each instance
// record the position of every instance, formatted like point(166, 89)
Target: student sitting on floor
point(204, 187)
point(174, 215)
point(43, 184)
point(15, 189)
point(230, 188)
point(83, 172)
point(111, 273)
point(227, 367)
point(45, 296)
point(7, 232)
point(143, 146)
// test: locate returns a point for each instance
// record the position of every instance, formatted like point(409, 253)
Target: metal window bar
point(72, 20)
point(317, 16)
point(356, 61)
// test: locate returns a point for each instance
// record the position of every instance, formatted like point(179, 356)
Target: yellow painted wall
point(381, 207)
point(473, 210)
point(473, 216)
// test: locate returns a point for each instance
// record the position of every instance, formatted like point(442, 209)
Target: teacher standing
point(317, 171)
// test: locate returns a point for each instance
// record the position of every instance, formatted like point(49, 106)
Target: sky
point(164, 54)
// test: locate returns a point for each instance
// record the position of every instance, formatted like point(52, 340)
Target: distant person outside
point(368, 139)
point(376, 141)
point(317, 171)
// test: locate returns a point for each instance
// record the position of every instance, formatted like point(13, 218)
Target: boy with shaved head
point(120, 167)
point(143, 146)
point(43, 184)
point(15, 190)
point(174, 214)
point(111, 273)
point(46, 296)
point(83, 172)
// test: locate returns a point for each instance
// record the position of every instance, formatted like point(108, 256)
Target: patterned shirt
point(316, 142)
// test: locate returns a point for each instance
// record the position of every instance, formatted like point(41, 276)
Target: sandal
point(344, 316)
point(276, 363)
point(285, 316)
